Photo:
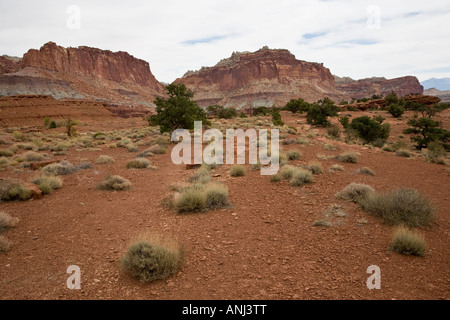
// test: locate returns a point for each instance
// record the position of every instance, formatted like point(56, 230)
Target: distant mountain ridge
point(442, 84)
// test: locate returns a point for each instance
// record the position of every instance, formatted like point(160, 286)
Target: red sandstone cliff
point(81, 73)
point(264, 77)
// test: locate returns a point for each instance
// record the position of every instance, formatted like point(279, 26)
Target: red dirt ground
point(264, 247)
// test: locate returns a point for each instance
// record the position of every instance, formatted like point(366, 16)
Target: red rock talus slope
point(81, 73)
point(264, 77)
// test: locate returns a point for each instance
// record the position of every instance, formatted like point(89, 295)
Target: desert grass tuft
point(138, 163)
point(408, 243)
point(350, 157)
point(104, 159)
point(366, 171)
point(152, 258)
point(114, 183)
point(11, 190)
point(355, 192)
point(7, 222)
point(237, 170)
point(300, 177)
point(48, 183)
point(5, 244)
point(402, 206)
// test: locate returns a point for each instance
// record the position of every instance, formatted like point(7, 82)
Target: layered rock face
point(380, 86)
point(273, 77)
point(81, 73)
point(265, 77)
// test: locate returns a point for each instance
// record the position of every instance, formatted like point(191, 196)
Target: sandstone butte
point(263, 78)
point(274, 76)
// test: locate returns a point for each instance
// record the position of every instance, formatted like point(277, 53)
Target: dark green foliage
point(391, 98)
point(425, 130)
point(222, 112)
point(319, 112)
point(179, 111)
point(297, 106)
point(345, 121)
point(260, 111)
point(370, 130)
point(52, 125)
point(276, 118)
point(396, 110)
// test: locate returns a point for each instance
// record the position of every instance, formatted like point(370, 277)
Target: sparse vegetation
point(7, 222)
point(57, 169)
point(300, 177)
point(293, 155)
point(336, 168)
point(369, 129)
point(48, 183)
point(11, 190)
point(350, 157)
point(138, 163)
point(5, 244)
point(114, 183)
point(366, 171)
point(355, 192)
point(408, 243)
point(104, 159)
point(402, 206)
point(152, 259)
point(315, 167)
point(237, 170)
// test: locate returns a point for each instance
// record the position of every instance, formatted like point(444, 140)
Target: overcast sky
point(359, 39)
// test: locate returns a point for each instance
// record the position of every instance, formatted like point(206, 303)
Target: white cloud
point(175, 36)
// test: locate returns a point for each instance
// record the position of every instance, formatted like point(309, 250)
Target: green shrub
point(396, 110)
point(425, 131)
point(370, 130)
point(319, 112)
point(276, 118)
point(301, 177)
point(114, 183)
point(237, 171)
point(408, 243)
point(297, 105)
point(402, 206)
point(179, 110)
point(355, 192)
point(149, 261)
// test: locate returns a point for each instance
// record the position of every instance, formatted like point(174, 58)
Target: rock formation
point(273, 77)
point(265, 77)
point(80, 73)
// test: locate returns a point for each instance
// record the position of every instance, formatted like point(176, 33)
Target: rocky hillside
point(264, 77)
point(380, 86)
point(273, 77)
point(80, 73)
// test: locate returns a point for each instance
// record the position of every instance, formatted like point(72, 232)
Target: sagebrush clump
point(408, 243)
point(355, 192)
point(114, 183)
point(150, 260)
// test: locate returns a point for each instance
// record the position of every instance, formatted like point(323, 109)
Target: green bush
point(179, 111)
point(297, 105)
point(370, 130)
point(319, 112)
point(396, 110)
point(403, 206)
point(276, 118)
point(425, 131)
point(150, 261)
point(408, 243)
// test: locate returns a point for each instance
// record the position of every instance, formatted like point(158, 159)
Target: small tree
point(276, 118)
point(319, 112)
point(425, 130)
point(297, 105)
point(370, 130)
point(391, 98)
point(178, 111)
point(70, 130)
point(396, 110)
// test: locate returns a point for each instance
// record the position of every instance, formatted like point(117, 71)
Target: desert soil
point(263, 247)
